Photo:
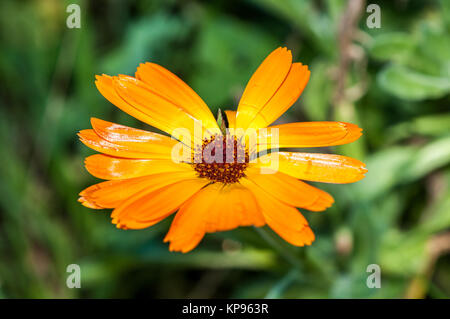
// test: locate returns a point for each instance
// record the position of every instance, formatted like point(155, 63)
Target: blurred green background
point(392, 81)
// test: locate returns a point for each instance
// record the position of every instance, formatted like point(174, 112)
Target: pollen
point(221, 159)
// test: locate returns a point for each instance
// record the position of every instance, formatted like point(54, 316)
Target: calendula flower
point(148, 180)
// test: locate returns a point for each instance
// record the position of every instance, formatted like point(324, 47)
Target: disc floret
point(221, 159)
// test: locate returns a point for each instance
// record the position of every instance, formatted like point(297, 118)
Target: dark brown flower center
point(221, 159)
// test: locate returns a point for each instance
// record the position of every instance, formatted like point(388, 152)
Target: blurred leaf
point(384, 171)
point(438, 218)
point(317, 95)
point(278, 289)
point(228, 53)
point(303, 14)
point(397, 165)
point(445, 6)
point(403, 253)
point(432, 54)
point(146, 40)
point(428, 158)
point(392, 46)
point(410, 85)
point(430, 125)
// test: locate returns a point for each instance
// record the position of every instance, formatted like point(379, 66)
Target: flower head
point(214, 180)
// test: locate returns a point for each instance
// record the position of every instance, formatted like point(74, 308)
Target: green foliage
point(396, 87)
point(409, 85)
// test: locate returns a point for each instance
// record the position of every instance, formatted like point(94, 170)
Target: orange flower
point(147, 181)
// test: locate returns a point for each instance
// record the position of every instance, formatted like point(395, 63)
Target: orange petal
point(159, 148)
point(231, 117)
point(285, 96)
point(130, 137)
point(285, 220)
point(188, 226)
point(86, 203)
point(149, 207)
point(234, 206)
point(290, 190)
point(217, 207)
point(262, 86)
point(111, 194)
point(163, 113)
point(308, 134)
point(326, 168)
point(166, 84)
point(302, 237)
point(110, 167)
point(105, 85)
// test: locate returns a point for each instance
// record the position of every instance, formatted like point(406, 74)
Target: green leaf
point(429, 125)
point(397, 165)
point(384, 172)
point(403, 254)
point(140, 45)
point(304, 16)
point(428, 158)
point(438, 218)
point(392, 46)
point(410, 85)
point(227, 53)
point(317, 95)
